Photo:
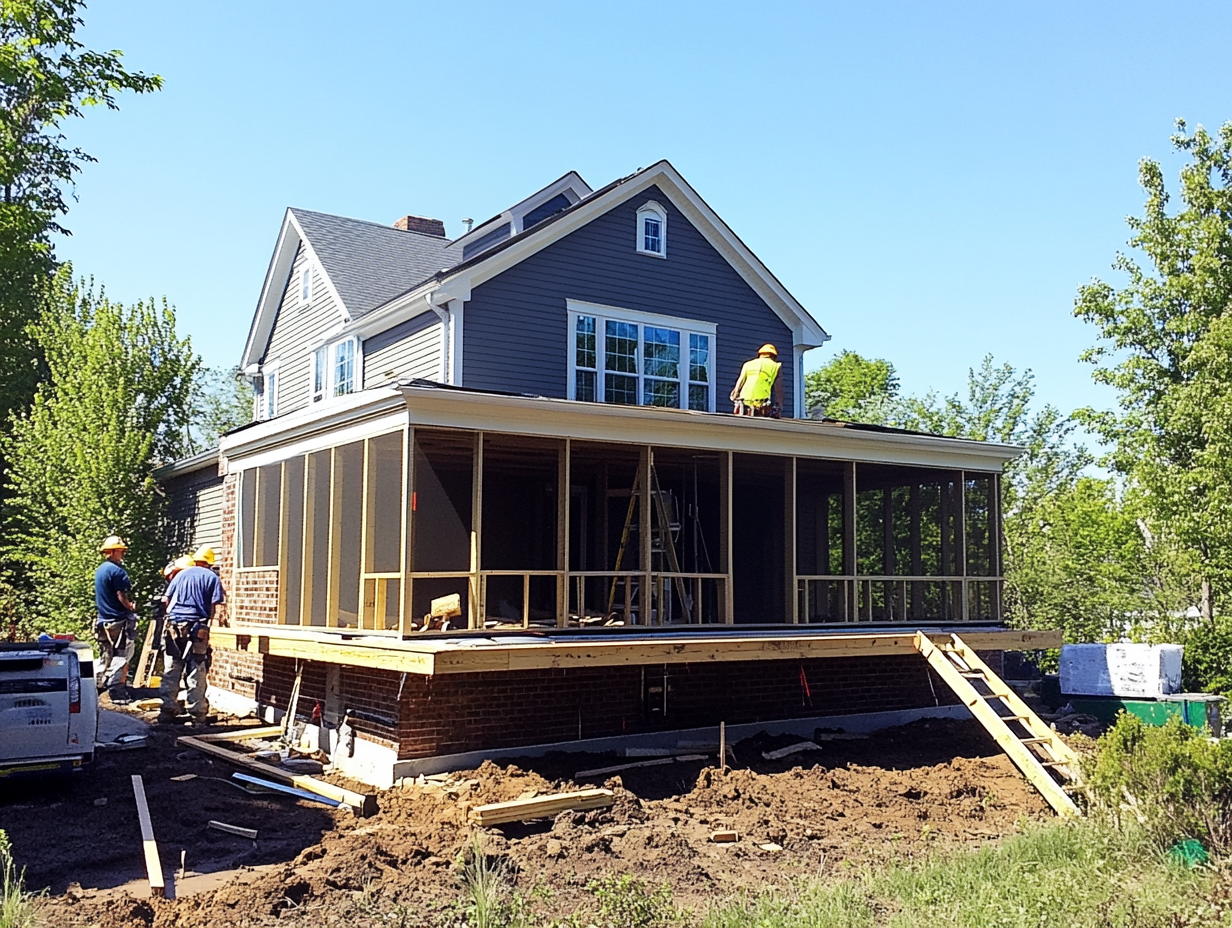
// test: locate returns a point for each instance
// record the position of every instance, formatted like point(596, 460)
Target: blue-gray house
point(511, 455)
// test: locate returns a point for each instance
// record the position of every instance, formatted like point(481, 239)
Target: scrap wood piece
point(724, 837)
point(790, 749)
point(153, 866)
point(615, 768)
point(362, 804)
point(270, 786)
point(497, 813)
point(244, 734)
point(249, 833)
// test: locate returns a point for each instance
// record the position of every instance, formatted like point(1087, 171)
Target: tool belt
point(116, 632)
point(190, 637)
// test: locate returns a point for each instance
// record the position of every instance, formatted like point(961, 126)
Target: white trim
point(798, 379)
point(331, 360)
point(456, 328)
point(368, 428)
point(652, 210)
point(601, 314)
point(805, 329)
point(269, 398)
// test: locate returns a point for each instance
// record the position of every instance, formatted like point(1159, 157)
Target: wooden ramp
point(1047, 761)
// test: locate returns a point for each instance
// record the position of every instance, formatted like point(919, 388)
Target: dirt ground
point(891, 795)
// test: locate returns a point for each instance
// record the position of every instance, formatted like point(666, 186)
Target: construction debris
point(249, 833)
point(724, 837)
point(519, 810)
point(790, 749)
point(153, 866)
point(273, 787)
point(616, 768)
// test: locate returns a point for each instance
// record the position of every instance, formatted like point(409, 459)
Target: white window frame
point(269, 391)
point(329, 352)
point(304, 283)
point(651, 210)
point(603, 314)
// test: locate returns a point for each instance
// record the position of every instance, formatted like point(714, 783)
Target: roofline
point(457, 282)
point(420, 403)
point(194, 462)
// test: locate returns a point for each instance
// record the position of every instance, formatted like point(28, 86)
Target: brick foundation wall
point(468, 712)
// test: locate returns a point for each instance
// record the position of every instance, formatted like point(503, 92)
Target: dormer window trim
point(303, 285)
point(652, 230)
point(335, 369)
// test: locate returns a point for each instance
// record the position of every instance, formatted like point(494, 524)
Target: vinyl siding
point(407, 351)
point(194, 509)
point(516, 324)
point(297, 331)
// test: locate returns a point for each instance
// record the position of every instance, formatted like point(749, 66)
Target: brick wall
point(467, 712)
point(224, 558)
point(254, 596)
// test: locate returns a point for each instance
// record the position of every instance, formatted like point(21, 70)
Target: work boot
point(119, 695)
point(167, 718)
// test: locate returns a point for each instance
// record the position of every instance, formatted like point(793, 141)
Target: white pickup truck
point(48, 707)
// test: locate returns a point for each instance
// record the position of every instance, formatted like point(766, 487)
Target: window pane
point(318, 372)
point(662, 348)
point(653, 236)
point(586, 342)
point(620, 390)
point(585, 387)
point(305, 285)
point(662, 393)
point(344, 367)
point(620, 350)
point(699, 358)
point(699, 397)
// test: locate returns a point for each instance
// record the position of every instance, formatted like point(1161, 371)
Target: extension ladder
point(1038, 751)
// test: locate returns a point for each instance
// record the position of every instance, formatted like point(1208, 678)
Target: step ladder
point(1048, 762)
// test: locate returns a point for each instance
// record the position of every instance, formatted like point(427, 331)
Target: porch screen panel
point(348, 536)
point(441, 501)
point(385, 502)
point(292, 576)
point(248, 516)
point(269, 515)
point(316, 536)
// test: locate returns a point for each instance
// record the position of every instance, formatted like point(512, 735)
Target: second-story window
point(305, 286)
point(271, 394)
point(344, 367)
point(652, 230)
point(639, 359)
point(333, 370)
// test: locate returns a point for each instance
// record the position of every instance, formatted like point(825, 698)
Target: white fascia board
point(806, 331)
point(272, 288)
point(321, 425)
point(408, 306)
point(276, 278)
point(329, 284)
point(571, 182)
point(697, 430)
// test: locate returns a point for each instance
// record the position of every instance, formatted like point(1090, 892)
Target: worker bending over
point(759, 391)
point(192, 596)
point(116, 629)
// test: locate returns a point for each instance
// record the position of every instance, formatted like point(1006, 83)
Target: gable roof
point(456, 282)
point(364, 263)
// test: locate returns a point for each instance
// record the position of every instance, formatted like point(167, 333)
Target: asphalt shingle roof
point(370, 263)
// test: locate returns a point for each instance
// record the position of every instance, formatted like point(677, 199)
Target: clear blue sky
point(932, 180)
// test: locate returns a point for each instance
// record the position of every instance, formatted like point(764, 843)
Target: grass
point(1086, 875)
point(16, 905)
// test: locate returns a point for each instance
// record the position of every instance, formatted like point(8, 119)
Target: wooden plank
point(249, 833)
point(990, 718)
point(153, 866)
point(362, 804)
point(245, 734)
point(517, 810)
point(616, 768)
point(146, 660)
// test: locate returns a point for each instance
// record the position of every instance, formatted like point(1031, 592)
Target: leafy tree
point(845, 384)
point(223, 402)
point(117, 403)
point(46, 77)
point(1164, 342)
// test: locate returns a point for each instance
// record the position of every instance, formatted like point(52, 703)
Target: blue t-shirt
point(109, 580)
point(191, 594)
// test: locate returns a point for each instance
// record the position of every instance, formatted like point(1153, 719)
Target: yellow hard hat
point(113, 543)
point(169, 570)
point(768, 348)
point(183, 562)
point(204, 553)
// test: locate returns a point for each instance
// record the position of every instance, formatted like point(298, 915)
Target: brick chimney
point(420, 224)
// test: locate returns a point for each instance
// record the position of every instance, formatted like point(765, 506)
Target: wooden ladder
point(1038, 751)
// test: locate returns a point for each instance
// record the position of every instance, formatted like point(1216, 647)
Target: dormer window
point(305, 286)
point(652, 230)
point(334, 370)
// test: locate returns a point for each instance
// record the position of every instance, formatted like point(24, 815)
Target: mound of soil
point(893, 795)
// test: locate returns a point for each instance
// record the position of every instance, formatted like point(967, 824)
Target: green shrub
point(626, 902)
point(1173, 780)
point(16, 905)
point(1207, 665)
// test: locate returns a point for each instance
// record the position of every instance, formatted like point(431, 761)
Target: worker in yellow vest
point(759, 391)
